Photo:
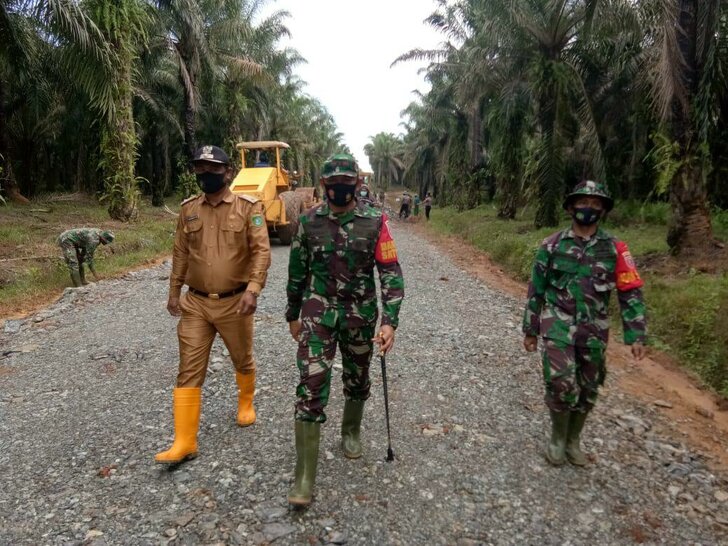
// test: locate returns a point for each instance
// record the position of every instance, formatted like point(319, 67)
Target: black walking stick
point(390, 453)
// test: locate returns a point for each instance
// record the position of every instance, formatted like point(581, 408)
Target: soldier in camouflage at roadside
point(331, 287)
point(79, 246)
point(574, 274)
point(366, 197)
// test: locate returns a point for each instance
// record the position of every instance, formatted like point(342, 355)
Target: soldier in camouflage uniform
point(574, 274)
point(79, 246)
point(331, 288)
point(364, 196)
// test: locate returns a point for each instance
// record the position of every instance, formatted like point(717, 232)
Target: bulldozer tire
point(294, 208)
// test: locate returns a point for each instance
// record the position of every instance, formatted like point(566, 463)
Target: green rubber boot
point(308, 435)
point(573, 449)
point(556, 450)
point(76, 278)
point(82, 275)
point(351, 428)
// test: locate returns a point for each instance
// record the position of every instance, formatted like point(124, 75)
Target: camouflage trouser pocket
point(572, 375)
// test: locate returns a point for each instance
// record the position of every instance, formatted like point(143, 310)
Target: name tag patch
point(190, 218)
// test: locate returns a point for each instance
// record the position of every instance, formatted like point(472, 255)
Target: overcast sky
point(349, 46)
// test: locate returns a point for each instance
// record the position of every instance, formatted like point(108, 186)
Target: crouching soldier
point(79, 246)
point(332, 301)
point(574, 274)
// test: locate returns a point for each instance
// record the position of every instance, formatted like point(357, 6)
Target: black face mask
point(340, 194)
point(211, 182)
point(586, 216)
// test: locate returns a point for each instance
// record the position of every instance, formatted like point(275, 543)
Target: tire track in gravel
point(86, 402)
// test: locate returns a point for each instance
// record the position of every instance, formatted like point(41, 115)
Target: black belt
point(239, 289)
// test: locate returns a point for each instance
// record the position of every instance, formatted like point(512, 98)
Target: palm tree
point(26, 32)
point(546, 34)
point(385, 156)
point(157, 109)
point(123, 24)
point(688, 66)
point(209, 36)
point(526, 46)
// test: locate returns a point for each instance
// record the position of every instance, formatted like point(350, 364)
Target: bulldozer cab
point(270, 183)
point(366, 177)
point(266, 179)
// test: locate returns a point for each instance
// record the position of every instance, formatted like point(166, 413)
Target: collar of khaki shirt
point(227, 198)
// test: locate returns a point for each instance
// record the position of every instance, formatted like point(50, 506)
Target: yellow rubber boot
point(186, 424)
point(246, 386)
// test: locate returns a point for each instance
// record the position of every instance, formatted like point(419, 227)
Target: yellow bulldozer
point(270, 183)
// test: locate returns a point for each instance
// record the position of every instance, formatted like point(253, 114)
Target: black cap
point(213, 154)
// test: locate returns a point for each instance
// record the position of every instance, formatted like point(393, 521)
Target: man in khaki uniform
point(222, 253)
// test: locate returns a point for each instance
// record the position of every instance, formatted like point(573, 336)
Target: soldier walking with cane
point(332, 301)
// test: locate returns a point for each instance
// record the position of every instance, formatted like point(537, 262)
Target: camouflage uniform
point(331, 286)
point(568, 302)
point(79, 245)
point(368, 199)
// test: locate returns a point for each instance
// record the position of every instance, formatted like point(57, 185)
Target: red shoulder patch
point(386, 251)
point(626, 271)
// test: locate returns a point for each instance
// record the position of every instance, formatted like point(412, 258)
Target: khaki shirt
point(217, 249)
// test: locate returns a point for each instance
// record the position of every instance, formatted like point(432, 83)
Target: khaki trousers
point(202, 318)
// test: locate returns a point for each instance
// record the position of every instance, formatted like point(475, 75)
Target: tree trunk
point(550, 172)
point(476, 138)
point(691, 231)
point(508, 198)
point(190, 121)
point(118, 147)
point(167, 164)
point(7, 176)
point(157, 169)
point(27, 168)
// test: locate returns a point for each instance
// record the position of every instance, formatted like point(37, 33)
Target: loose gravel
point(85, 403)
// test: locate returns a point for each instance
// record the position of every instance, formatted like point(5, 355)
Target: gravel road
point(86, 402)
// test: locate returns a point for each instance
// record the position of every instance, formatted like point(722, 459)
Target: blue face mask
point(586, 216)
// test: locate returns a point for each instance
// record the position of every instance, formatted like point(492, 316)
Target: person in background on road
point(574, 274)
point(222, 253)
point(417, 205)
point(332, 301)
point(428, 205)
point(79, 246)
point(364, 196)
point(382, 197)
point(404, 208)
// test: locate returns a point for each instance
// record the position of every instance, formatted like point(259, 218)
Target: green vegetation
point(528, 98)
point(686, 310)
point(112, 98)
point(32, 235)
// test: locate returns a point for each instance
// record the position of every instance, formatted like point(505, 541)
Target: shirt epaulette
point(189, 199)
point(249, 198)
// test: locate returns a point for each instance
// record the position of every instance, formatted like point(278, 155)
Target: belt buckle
point(214, 296)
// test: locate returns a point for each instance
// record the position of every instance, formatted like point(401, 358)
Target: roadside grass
point(31, 232)
point(685, 309)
